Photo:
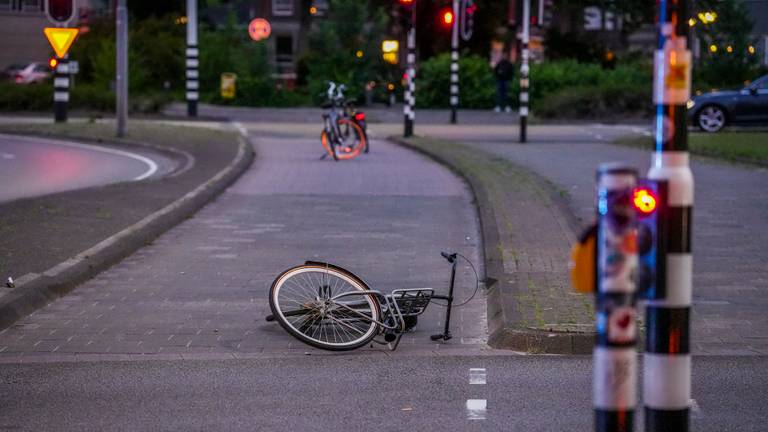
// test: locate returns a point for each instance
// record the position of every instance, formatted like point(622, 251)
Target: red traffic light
point(60, 10)
point(447, 16)
point(644, 200)
point(53, 62)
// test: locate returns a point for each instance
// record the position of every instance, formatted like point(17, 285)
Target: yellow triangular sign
point(61, 39)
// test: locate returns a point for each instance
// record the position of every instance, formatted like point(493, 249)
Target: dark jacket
point(503, 70)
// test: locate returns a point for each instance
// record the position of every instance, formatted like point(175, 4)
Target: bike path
point(201, 288)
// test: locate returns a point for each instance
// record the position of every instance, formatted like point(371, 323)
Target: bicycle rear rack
point(412, 301)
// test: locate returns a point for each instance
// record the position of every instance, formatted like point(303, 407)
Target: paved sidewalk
point(729, 234)
point(201, 289)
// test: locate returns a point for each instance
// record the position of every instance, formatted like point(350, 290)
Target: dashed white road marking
point(7, 156)
point(476, 409)
point(695, 409)
point(477, 376)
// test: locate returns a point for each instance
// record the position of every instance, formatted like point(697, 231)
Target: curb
point(502, 336)
point(33, 291)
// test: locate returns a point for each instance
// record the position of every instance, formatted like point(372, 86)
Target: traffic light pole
point(121, 90)
point(455, 62)
point(524, 72)
point(192, 53)
point(615, 355)
point(61, 90)
point(667, 361)
point(409, 104)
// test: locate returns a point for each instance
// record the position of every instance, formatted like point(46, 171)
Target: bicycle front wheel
point(319, 305)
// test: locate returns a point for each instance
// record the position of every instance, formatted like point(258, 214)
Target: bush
point(476, 90)
point(590, 86)
point(88, 97)
point(596, 101)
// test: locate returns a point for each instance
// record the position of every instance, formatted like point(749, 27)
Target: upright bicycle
point(342, 136)
point(331, 308)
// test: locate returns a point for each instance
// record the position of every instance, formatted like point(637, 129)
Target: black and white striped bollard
point(524, 82)
point(61, 90)
point(193, 85)
point(409, 105)
point(667, 361)
point(455, 62)
point(615, 354)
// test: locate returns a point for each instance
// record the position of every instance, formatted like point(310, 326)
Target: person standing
point(503, 73)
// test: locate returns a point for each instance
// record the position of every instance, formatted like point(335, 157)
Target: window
point(31, 5)
point(284, 49)
point(6, 5)
point(282, 7)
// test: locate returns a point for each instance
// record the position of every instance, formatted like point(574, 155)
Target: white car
point(33, 73)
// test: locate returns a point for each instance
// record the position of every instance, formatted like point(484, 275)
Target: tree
point(726, 59)
point(345, 48)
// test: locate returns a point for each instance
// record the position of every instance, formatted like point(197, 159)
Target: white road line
point(7, 156)
point(476, 409)
point(695, 409)
point(152, 166)
point(477, 376)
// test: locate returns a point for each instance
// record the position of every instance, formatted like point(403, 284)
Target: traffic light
point(407, 11)
point(446, 17)
point(53, 62)
point(60, 11)
point(650, 198)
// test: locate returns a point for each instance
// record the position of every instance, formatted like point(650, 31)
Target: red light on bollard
point(645, 201)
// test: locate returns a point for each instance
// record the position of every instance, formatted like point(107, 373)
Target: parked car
point(9, 73)
point(31, 73)
point(713, 111)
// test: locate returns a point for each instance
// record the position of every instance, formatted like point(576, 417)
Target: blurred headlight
point(690, 104)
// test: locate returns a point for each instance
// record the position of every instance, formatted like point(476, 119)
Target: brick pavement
point(201, 288)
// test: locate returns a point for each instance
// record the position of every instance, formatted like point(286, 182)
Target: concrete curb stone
point(36, 292)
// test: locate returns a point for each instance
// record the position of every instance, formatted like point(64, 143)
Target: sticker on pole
point(621, 325)
point(672, 83)
point(60, 39)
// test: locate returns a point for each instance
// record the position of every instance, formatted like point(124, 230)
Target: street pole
point(61, 90)
point(193, 85)
point(524, 71)
point(409, 104)
point(455, 62)
point(615, 355)
point(667, 361)
point(121, 89)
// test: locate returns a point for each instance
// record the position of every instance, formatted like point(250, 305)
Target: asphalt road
point(35, 166)
point(351, 392)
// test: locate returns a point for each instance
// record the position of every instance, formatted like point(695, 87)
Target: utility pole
point(615, 355)
point(667, 361)
point(457, 16)
point(409, 105)
point(121, 90)
point(524, 71)
point(193, 85)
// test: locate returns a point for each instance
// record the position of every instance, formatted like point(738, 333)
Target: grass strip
point(741, 147)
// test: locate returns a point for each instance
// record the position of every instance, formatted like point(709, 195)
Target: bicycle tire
point(328, 145)
point(345, 150)
point(322, 322)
